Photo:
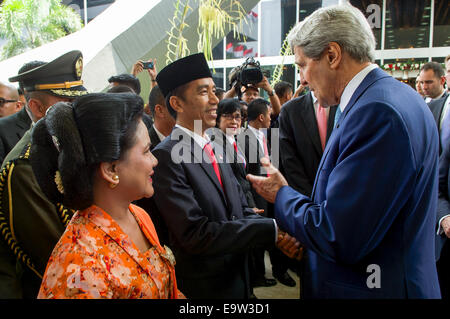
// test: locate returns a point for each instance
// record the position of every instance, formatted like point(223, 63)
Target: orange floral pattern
point(95, 259)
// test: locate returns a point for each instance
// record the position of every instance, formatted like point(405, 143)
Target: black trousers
point(443, 269)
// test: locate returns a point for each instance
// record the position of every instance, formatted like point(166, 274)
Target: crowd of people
point(344, 181)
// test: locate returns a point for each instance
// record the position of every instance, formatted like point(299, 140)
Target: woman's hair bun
point(57, 146)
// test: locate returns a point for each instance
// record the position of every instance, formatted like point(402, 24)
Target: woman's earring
point(115, 178)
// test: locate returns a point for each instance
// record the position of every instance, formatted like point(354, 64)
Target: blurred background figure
point(9, 100)
point(419, 86)
point(432, 78)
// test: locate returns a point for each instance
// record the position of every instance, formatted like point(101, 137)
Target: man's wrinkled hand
point(445, 223)
point(289, 245)
point(268, 187)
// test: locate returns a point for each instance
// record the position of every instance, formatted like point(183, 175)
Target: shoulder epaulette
point(6, 213)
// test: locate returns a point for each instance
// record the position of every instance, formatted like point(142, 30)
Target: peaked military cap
point(182, 71)
point(60, 77)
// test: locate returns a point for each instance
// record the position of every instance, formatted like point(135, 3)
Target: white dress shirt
point(353, 85)
point(259, 136)
point(160, 135)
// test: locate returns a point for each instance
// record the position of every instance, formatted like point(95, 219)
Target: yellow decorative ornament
point(58, 182)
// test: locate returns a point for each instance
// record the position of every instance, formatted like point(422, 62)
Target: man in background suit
point(163, 122)
point(13, 127)
point(255, 145)
point(368, 227)
point(301, 145)
point(443, 217)
point(210, 226)
point(440, 106)
point(432, 80)
point(441, 112)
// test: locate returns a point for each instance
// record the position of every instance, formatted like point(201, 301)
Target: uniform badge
point(79, 67)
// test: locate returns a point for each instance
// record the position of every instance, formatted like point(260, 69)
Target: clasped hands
point(268, 188)
point(290, 246)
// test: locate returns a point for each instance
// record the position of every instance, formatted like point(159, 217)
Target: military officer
point(30, 225)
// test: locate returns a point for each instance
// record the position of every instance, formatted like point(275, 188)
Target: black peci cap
point(60, 77)
point(182, 71)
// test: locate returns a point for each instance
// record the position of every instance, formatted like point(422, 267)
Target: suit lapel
point(373, 76)
point(154, 138)
point(330, 123)
point(198, 157)
point(23, 122)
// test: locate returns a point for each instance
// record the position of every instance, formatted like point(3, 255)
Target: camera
point(147, 65)
point(247, 74)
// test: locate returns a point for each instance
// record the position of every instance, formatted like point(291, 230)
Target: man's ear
point(333, 55)
point(107, 171)
point(261, 117)
point(37, 108)
point(158, 110)
point(19, 105)
point(176, 103)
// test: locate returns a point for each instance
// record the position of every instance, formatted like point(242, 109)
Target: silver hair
point(343, 24)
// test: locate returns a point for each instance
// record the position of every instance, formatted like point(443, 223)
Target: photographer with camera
point(150, 66)
point(246, 80)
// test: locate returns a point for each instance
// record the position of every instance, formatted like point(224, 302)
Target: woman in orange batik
point(94, 156)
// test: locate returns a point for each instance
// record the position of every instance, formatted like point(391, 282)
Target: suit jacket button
point(233, 217)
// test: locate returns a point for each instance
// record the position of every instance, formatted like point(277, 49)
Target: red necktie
point(212, 158)
point(321, 117)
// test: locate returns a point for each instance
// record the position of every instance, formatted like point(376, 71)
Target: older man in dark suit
point(210, 226)
point(14, 126)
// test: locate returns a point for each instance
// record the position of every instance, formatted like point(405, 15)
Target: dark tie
point(209, 151)
point(240, 157)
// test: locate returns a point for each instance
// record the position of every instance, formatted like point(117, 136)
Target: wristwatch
point(271, 93)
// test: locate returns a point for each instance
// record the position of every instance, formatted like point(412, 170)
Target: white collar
point(314, 99)
point(259, 134)
point(230, 139)
point(440, 95)
point(200, 140)
point(160, 135)
point(353, 85)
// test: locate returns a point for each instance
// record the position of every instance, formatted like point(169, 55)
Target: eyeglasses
point(231, 117)
point(3, 101)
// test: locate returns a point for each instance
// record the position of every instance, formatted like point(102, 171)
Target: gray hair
point(343, 24)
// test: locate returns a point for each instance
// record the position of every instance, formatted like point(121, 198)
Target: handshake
point(289, 245)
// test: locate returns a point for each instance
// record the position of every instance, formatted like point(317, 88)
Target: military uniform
point(31, 225)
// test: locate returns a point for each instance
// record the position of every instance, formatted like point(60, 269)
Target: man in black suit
point(210, 226)
point(13, 127)
point(255, 145)
point(300, 142)
point(163, 122)
point(439, 105)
